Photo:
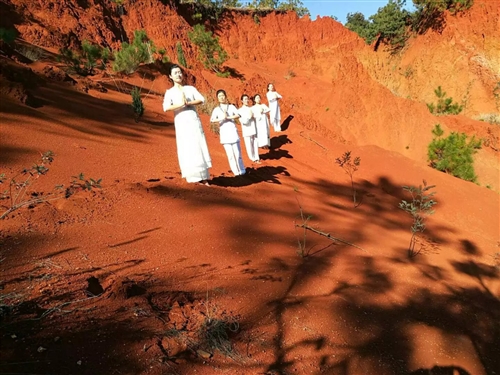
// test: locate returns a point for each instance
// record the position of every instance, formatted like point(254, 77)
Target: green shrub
point(388, 25)
point(211, 54)
point(453, 154)
point(7, 36)
point(444, 105)
point(137, 104)
point(128, 59)
point(85, 63)
point(180, 55)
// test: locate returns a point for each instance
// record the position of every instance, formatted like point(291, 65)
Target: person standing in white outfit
point(274, 114)
point(249, 129)
point(225, 114)
point(260, 111)
point(192, 149)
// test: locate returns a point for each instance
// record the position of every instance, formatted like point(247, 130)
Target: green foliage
point(294, 5)
point(137, 104)
point(454, 6)
point(453, 154)
point(444, 106)
point(207, 9)
point(163, 57)
point(211, 54)
point(360, 25)
point(81, 183)
point(85, 62)
point(388, 25)
point(363, 27)
point(180, 55)
point(419, 208)
point(393, 25)
point(284, 5)
point(350, 166)
point(128, 59)
point(7, 36)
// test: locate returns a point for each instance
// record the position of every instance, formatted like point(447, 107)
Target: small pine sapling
point(137, 104)
point(419, 208)
point(350, 166)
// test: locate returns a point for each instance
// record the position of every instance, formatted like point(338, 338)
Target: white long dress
point(261, 121)
point(192, 149)
point(249, 132)
point(229, 136)
point(274, 107)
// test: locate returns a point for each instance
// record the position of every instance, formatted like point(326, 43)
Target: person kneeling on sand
point(192, 149)
point(225, 114)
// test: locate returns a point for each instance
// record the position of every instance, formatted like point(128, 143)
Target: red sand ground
point(175, 259)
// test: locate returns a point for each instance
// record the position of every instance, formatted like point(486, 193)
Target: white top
point(259, 111)
point(247, 121)
point(228, 132)
point(175, 95)
point(192, 150)
point(275, 113)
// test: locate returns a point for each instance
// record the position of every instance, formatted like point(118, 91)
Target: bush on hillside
point(137, 104)
point(453, 154)
point(128, 59)
point(84, 63)
point(444, 105)
point(7, 36)
point(393, 25)
point(180, 55)
point(211, 54)
point(388, 25)
point(286, 5)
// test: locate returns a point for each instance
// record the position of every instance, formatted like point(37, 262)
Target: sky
point(340, 8)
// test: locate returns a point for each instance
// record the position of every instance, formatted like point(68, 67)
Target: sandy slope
point(171, 257)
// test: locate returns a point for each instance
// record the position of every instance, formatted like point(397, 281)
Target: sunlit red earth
point(131, 278)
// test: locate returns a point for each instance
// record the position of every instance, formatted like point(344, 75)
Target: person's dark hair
point(220, 91)
point(269, 84)
point(173, 66)
point(255, 96)
point(244, 96)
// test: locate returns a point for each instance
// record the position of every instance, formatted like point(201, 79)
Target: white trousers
point(233, 152)
point(198, 176)
point(252, 147)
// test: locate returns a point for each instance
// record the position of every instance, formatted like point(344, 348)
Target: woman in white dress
point(249, 130)
point(225, 114)
point(274, 114)
point(260, 111)
point(192, 149)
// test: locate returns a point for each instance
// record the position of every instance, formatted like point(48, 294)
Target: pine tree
point(453, 154)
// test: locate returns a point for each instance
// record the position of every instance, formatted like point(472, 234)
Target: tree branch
point(328, 235)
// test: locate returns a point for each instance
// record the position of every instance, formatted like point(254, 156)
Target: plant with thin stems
point(350, 166)
point(18, 193)
point(419, 208)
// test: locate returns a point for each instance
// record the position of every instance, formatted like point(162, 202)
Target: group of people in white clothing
point(192, 149)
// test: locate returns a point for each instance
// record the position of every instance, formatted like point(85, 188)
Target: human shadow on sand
point(280, 140)
point(253, 176)
point(276, 155)
point(286, 124)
